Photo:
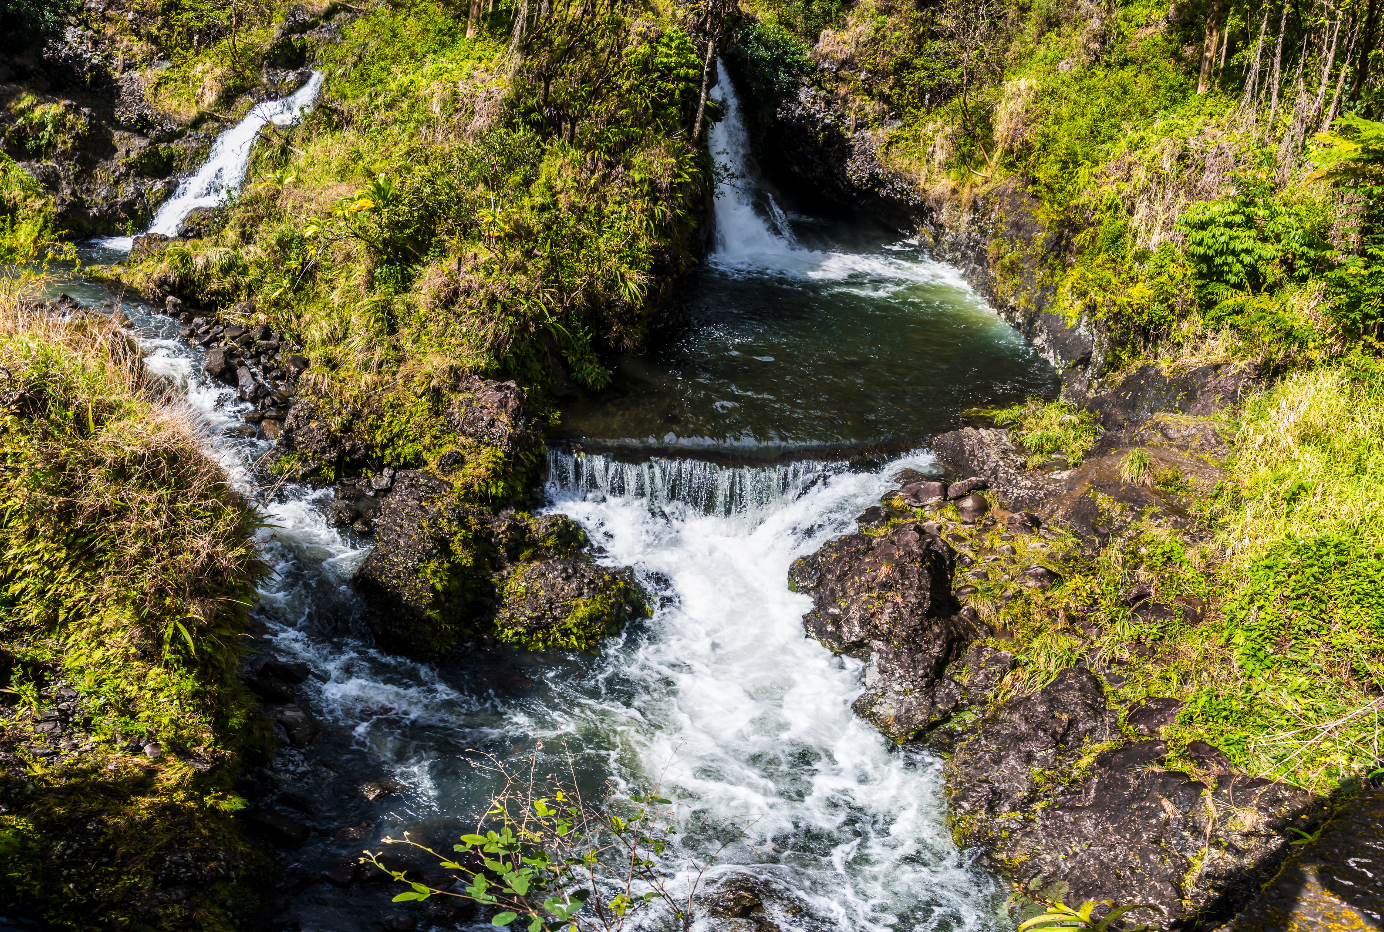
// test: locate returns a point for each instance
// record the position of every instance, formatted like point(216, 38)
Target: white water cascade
point(718, 697)
point(224, 170)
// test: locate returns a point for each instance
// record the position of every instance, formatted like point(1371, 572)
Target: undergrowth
point(1046, 429)
point(126, 571)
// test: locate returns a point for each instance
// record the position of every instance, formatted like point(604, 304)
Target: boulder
point(567, 603)
point(887, 598)
point(972, 508)
point(279, 829)
point(299, 724)
point(426, 582)
point(219, 362)
point(1123, 827)
point(918, 494)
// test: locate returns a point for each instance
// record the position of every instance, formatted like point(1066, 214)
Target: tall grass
point(118, 534)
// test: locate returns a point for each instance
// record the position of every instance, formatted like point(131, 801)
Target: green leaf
point(472, 840)
point(405, 897)
point(504, 919)
point(519, 883)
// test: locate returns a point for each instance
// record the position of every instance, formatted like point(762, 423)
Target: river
point(805, 337)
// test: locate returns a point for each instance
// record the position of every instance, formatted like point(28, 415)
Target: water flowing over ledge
point(704, 487)
point(224, 170)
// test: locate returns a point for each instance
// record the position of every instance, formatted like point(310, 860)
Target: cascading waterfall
point(718, 697)
point(224, 170)
point(679, 481)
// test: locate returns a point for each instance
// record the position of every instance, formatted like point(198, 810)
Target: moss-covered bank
point(126, 572)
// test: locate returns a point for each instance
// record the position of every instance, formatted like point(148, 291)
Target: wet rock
point(246, 386)
point(972, 508)
point(888, 598)
point(1023, 522)
point(252, 417)
point(298, 723)
point(277, 828)
point(1150, 716)
point(363, 526)
point(872, 517)
point(173, 306)
point(290, 671)
point(218, 362)
point(296, 801)
point(381, 483)
point(121, 320)
point(341, 514)
point(272, 427)
point(919, 494)
point(1332, 883)
point(377, 789)
point(966, 486)
point(567, 603)
point(296, 364)
point(153, 750)
point(270, 689)
point(492, 412)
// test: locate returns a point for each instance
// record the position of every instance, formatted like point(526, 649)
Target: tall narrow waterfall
point(224, 170)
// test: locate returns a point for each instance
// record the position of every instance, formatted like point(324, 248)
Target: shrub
point(1046, 428)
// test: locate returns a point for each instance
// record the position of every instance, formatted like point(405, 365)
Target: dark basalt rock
point(988, 454)
point(1150, 716)
point(277, 828)
point(444, 574)
point(568, 603)
point(298, 723)
point(1124, 829)
point(416, 535)
point(888, 598)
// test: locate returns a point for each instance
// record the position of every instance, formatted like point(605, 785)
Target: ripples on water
point(719, 694)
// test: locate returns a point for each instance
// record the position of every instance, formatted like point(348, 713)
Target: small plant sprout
point(1062, 916)
point(546, 856)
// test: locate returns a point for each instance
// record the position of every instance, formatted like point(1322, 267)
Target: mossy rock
point(567, 603)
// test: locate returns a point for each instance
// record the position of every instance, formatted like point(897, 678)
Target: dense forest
point(505, 191)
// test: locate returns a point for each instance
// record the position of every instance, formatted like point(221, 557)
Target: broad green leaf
point(504, 919)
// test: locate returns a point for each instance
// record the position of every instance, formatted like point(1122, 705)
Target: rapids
point(718, 698)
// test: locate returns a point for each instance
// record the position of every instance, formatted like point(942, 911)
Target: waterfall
point(704, 487)
point(742, 234)
point(224, 170)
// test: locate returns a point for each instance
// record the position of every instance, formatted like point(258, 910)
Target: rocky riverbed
point(1067, 790)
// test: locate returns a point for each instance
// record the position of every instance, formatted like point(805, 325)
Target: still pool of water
point(807, 335)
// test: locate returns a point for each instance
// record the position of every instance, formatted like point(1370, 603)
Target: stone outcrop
point(445, 574)
point(1122, 828)
point(1072, 794)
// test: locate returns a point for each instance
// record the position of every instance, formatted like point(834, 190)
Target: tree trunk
point(1340, 82)
point(1362, 64)
point(701, 104)
point(472, 15)
point(1326, 73)
point(1208, 47)
point(1252, 79)
point(1277, 64)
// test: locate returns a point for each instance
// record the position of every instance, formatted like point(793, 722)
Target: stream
point(805, 336)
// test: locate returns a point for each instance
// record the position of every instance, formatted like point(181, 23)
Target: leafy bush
point(772, 61)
